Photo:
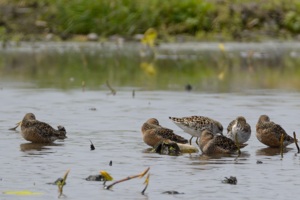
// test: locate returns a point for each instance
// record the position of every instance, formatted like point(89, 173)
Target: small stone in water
point(231, 180)
point(172, 192)
point(95, 178)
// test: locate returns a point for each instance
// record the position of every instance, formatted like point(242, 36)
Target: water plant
point(296, 142)
point(62, 183)
point(281, 145)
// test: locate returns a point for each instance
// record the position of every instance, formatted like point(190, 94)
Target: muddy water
point(113, 124)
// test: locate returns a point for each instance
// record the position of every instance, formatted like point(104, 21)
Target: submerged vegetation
point(247, 20)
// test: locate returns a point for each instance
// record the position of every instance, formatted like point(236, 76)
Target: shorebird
point(153, 133)
point(194, 125)
point(217, 144)
point(269, 133)
point(40, 132)
point(239, 130)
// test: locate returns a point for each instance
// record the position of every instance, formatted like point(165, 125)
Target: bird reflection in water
point(39, 148)
point(269, 151)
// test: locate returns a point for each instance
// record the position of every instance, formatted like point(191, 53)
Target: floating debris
point(92, 146)
point(259, 162)
point(110, 163)
point(93, 109)
point(98, 177)
point(172, 192)
point(133, 93)
point(231, 180)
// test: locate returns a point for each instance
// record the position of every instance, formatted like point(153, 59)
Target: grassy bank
point(242, 20)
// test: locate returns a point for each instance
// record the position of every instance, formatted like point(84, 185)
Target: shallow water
point(245, 79)
point(114, 128)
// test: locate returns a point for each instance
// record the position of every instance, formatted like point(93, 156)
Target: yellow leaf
point(106, 175)
point(22, 193)
point(147, 179)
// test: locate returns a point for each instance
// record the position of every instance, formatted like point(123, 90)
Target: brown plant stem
point(14, 128)
point(128, 178)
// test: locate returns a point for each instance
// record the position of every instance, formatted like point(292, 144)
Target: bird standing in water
point(269, 133)
point(239, 130)
point(40, 132)
point(194, 125)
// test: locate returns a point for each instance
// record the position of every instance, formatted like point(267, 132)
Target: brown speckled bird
point(153, 133)
point(194, 125)
point(40, 132)
point(216, 144)
point(269, 133)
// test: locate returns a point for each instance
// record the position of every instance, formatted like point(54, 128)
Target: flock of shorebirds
point(209, 133)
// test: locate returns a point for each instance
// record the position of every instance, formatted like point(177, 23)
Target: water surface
point(237, 79)
point(114, 128)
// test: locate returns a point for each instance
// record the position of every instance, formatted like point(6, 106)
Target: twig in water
point(146, 183)
point(296, 142)
point(281, 145)
point(92, 146)
point(113, 91)
point(14, 128)
point(128, 178)
point(62, 183)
